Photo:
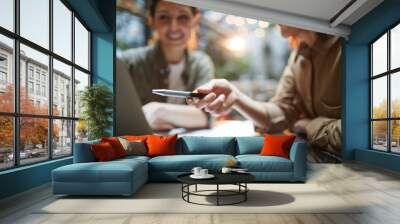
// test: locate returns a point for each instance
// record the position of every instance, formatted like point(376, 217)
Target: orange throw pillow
point(161, 145)
point(116, 145)
point(136, 137)
point(277, 145)
point(103, 152)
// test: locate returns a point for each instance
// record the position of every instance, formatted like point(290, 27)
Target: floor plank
point(378, 190)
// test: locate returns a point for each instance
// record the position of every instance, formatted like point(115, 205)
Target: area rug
point(166, 198)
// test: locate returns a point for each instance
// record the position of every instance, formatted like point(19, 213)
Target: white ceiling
point(324, 16)
point(321, 9)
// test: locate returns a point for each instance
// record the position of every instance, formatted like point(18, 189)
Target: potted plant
point(96, 102)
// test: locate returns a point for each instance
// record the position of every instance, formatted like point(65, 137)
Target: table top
point(220, 178)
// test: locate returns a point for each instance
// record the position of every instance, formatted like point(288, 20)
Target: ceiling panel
point(326, 16)
point(321, 9)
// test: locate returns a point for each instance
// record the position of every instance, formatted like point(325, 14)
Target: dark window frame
point(388, 74)
point(16, 114)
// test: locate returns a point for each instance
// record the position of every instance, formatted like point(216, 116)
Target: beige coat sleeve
point(281, 108)
point(325, 132)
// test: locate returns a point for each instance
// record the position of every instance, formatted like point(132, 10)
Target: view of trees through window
point(40, 83)
point(385, 91)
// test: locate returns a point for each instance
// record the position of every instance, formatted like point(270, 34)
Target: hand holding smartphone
point(177, 93)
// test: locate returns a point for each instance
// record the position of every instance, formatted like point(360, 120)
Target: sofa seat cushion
point(257, 163)
point(133, 158)
point(185, 163)
point(112, 171)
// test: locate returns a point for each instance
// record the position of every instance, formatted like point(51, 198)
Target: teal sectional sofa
point(125, 176)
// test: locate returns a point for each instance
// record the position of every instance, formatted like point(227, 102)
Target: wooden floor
point(379, 189)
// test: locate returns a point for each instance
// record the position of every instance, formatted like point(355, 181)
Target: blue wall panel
point(356, 89)
point(356, 103)
point(24, 178)
point(103, 52)
point(380, 159)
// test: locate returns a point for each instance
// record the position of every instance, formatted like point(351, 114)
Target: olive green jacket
point(149, 70)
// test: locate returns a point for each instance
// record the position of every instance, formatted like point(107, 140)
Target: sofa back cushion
point(249, 145)
point(197, 145)
point(83, 152)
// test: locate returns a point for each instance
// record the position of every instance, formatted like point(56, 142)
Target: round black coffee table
point(238, 179)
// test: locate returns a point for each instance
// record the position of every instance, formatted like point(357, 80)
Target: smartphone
point(177, 93)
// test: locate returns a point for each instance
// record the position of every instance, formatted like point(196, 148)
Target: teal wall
point(24, 178)
point(99, 16)
point(356, 124)
point(103, 52)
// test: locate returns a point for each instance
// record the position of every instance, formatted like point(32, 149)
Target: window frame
point(388, 74)
point(16, 115)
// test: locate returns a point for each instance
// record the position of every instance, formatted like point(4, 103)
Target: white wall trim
point(348, 12)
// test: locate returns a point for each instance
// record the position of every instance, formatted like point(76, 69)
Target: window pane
point(379, 135)
point(7, 14)
point(62, 89)
point(395, 94)
point(81, 131)
point(379, 97)
point(34, 72)
point(81, 45)
point(33, 140)
point(81, 81)
point(395, 138)
point(35, 21)
point(379, 56)
point(62, 29)
point(62, 138)
point(395, 47)
point(6, 74)
point(6, 142)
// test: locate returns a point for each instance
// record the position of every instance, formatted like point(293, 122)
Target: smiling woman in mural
point(307, 100)
point(170, 64)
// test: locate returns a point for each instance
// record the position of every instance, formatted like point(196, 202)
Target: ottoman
point(119, 177)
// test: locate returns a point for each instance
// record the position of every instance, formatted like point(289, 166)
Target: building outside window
point(385, 91)
point(57, 128)
point(44, 91)
point(3, 61)
point(38, 89)
point(37, 75)
point(3, 72)
point(30, 87)
point(30, 72)
point(44, 77)
point(3, 78)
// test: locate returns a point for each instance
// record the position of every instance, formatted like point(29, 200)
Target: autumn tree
point(33, 131)
point(380, 127)
point(396, 123)
point(6, 122)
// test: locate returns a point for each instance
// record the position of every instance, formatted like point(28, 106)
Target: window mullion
point(389, 95)
point(73, 82)
point(50, 79)
point(371, 89)
point(16, 85)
